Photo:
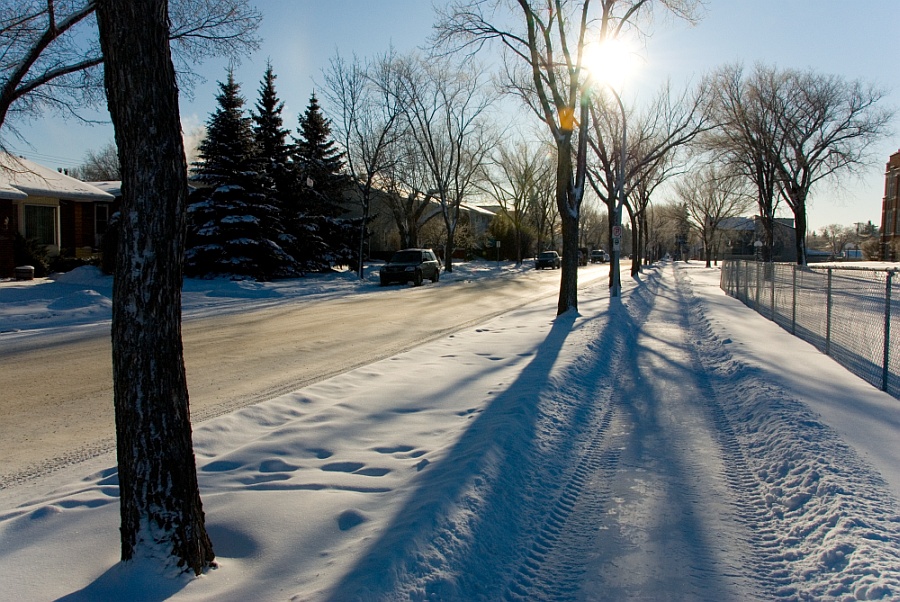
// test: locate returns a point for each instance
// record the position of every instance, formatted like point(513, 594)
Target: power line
point(46, 159)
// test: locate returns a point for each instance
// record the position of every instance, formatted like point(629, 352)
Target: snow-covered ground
point(671, 445)
point(83, 296)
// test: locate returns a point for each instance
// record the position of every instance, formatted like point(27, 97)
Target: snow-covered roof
point(31, 179)
point(10, 193)
point(477, 209)
point(737, 223)
point(113, 187)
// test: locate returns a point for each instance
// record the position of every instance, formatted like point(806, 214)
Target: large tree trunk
point(160, 500)
point(568, 281)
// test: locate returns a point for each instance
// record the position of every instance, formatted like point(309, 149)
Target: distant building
point(890, 209)
point(740, 236)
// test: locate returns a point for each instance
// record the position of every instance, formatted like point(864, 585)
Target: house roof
point(22, 178)
point(737, 223)
point(113, 187)
point(12, 194)
point(477, 209)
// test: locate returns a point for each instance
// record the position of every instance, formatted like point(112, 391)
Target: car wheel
point(437, 275)
point(418, 279)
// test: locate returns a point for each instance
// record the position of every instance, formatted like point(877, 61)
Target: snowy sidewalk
point(623, 453)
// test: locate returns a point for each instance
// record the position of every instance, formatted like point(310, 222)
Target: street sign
point(617, 231)
point(617, 243)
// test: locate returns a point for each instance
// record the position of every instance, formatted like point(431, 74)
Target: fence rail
point(849, 313)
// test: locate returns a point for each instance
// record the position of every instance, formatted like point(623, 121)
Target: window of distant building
point(40, 224)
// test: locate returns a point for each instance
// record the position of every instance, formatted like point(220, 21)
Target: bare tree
point(788, 130)
point(541, 208)
point(160, 506)
point(515, 176)
point(710, 196)
point(828, 126)
point(99, 165)
point(624, 178)
point(594, 227)
point(445, 112)
point(407, 182)
point(50, 53)
point(746, 137)
point(550, 45)
point(368, 113)
point(836, 238)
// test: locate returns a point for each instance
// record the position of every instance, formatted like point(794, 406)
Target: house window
point(101, 222)
point(40, 224)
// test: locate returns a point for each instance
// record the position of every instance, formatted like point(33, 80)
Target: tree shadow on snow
point(460, 533)
point(449, 488)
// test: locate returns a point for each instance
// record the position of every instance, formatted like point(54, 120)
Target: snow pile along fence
point(849, 313)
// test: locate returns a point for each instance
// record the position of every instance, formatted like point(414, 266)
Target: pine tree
point(324, 237)
point(319, 164)
point(274, 153)
point(234, 226)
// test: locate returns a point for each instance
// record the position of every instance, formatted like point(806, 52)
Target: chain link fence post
point(770, 268)
point(794, 300)
point(887, 329)
point(828, 307)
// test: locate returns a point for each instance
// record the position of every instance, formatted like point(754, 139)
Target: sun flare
point(610, 62)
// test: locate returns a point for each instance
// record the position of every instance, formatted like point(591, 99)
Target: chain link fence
point(850, 313)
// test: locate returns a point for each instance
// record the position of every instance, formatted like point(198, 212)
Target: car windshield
point(548, 254)
point(407, 257)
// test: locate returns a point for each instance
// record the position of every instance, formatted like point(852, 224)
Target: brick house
point(64, 214)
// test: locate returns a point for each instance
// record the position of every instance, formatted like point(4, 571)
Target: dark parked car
point(599, 256)
point(411, 265)
point(548, 259)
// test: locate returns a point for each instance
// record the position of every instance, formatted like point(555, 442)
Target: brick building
point(890, 210)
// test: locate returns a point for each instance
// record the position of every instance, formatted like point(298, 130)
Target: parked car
point(548, 259)
point(599, 256)
point(411, 265)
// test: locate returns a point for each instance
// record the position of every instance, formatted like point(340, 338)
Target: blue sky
point(850, 39)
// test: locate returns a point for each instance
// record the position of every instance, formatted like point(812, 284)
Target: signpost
point(617, 237)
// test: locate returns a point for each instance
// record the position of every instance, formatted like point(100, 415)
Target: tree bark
point(568, 217)
point(161, 511)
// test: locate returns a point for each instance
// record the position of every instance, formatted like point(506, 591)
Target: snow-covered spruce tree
point(274, 152)
point(323, 236)
point(233, 226)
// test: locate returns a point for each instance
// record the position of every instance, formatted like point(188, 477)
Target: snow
point(20, 178)
point(671, 445)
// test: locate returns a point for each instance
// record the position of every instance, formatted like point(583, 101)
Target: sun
point(610, 62)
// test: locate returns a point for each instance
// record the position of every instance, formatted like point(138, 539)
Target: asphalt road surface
point(57, 407)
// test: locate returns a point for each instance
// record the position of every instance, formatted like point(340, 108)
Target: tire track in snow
point(823, 522)
point(552, 566)
point(656, 517)
point(542, 575)
point(766, 566)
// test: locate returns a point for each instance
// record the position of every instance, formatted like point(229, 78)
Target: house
point(64, 214)
point(740, 236)
point(384, 235)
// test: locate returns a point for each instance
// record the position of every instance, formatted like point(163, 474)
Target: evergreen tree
point(319, 164)
point(271, 137)
point(274, 153)
point(234, 227)
point(324, 237)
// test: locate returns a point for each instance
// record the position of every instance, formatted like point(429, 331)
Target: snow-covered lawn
point(674, 445)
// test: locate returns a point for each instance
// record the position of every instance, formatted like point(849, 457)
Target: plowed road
point(56, 404)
